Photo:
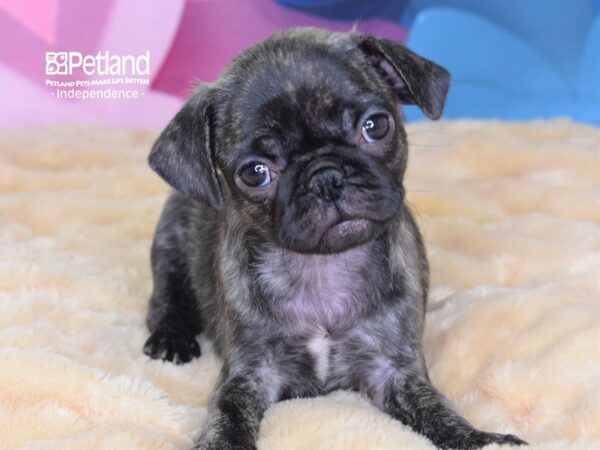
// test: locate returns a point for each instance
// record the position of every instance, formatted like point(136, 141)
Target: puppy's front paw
point(477, 439)
point(509, 439)
point(215, 440)
point(172, 344)
point(223, 445)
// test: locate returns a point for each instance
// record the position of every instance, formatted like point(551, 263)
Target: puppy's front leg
point(236, 409)
point(173, 318)
point(416, 403)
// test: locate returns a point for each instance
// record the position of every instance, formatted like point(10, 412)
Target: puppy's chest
point(311, 293)
point(315, 299)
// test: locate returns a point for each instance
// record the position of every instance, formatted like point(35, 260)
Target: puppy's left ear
point(183, 154)
point(415, 80)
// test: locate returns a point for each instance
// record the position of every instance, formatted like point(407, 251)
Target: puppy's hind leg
point(173, 318)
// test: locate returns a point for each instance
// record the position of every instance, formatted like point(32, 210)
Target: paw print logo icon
point(57, 63)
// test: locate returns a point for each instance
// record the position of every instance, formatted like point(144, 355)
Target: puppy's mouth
point(347, 233)
point(346, 227)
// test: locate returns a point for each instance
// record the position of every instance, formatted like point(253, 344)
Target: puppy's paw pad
point(172, 345)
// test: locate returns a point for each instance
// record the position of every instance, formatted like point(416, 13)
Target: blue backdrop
point(510, 59)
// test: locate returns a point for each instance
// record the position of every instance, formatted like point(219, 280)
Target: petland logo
point(72, 63)
point(104, 76)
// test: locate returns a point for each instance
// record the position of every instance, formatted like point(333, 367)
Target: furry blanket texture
point(511, 219)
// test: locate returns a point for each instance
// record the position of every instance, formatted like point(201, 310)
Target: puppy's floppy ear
point(183, 154)
point(415, 80)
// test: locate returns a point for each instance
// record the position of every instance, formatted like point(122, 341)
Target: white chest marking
point(319, 347)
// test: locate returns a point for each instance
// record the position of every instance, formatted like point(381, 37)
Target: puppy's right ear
point(183, 154)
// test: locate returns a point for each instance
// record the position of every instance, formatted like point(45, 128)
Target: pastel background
point(510, 214)
point(511, 59)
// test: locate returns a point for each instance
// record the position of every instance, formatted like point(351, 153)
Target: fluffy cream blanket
point(511, 218)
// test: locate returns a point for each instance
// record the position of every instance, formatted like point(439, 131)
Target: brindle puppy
point(289, 242)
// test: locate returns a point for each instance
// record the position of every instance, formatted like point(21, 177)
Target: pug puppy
point(289, 242)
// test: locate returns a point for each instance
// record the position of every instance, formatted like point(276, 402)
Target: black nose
point(327, 183)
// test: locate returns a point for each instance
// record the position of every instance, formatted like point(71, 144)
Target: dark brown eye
point(375, 127)
point(255, 174)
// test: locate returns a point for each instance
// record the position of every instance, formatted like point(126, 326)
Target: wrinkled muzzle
point(333, 202)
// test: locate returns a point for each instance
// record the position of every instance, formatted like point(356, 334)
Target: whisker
point(443, 140)
point(413, 133)
point(417, 212)
point(428, 145)
point(422, 190)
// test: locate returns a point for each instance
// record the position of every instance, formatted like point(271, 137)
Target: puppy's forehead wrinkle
point(284, 116)
point(299, 93)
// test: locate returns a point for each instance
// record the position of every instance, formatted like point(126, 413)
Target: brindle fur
point(293, 314)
